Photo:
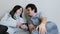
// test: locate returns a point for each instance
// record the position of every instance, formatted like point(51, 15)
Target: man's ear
point(34, 10)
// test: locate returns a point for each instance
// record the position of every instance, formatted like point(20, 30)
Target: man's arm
point(41, 27)
point(43, 20)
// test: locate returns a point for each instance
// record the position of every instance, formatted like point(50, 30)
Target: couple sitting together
point(36, 23)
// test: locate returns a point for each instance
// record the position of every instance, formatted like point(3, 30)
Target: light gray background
point(50, 7)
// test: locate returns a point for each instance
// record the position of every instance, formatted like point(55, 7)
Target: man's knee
point(51, 25)
point(51, 28)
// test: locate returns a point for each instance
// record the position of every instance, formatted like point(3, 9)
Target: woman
point(14, 21)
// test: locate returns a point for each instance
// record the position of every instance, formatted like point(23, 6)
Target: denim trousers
point(51, 28)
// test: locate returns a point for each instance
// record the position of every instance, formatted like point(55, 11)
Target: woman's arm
point(8, 21)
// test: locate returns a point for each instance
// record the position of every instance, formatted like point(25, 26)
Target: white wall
point(50, 7)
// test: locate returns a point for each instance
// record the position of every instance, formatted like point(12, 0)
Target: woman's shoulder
point(21, 18)
point(7, 14)
point(5, 17)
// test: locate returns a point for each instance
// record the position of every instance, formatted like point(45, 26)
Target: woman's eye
point(20, 10)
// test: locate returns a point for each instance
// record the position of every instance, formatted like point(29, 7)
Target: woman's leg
point(3, 29)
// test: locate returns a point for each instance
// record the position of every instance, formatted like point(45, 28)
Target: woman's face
point(19, 11)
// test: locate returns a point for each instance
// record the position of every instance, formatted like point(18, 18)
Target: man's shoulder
point(37, 14)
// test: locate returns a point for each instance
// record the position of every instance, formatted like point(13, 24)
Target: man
point(37, 21)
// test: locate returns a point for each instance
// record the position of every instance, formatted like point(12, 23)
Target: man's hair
point(32, 6)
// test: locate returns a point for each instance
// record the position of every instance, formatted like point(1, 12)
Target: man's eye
point(28, 10)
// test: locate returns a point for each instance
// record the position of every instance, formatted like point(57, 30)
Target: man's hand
point(41, 28)
point(31, 27)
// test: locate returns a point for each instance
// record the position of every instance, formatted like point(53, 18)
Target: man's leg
point(35, 31)
point(50, 27)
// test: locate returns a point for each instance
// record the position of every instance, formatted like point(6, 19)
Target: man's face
point(29, 11)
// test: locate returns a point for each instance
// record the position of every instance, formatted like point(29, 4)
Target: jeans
point(50, 27)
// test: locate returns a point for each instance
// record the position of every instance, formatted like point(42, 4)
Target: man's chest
point(35, 20)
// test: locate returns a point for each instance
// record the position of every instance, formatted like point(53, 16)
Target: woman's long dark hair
point(13, 11)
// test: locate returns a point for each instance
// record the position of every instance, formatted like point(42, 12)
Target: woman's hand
point(42, 28)
point(18, 24)
point(24, 27)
